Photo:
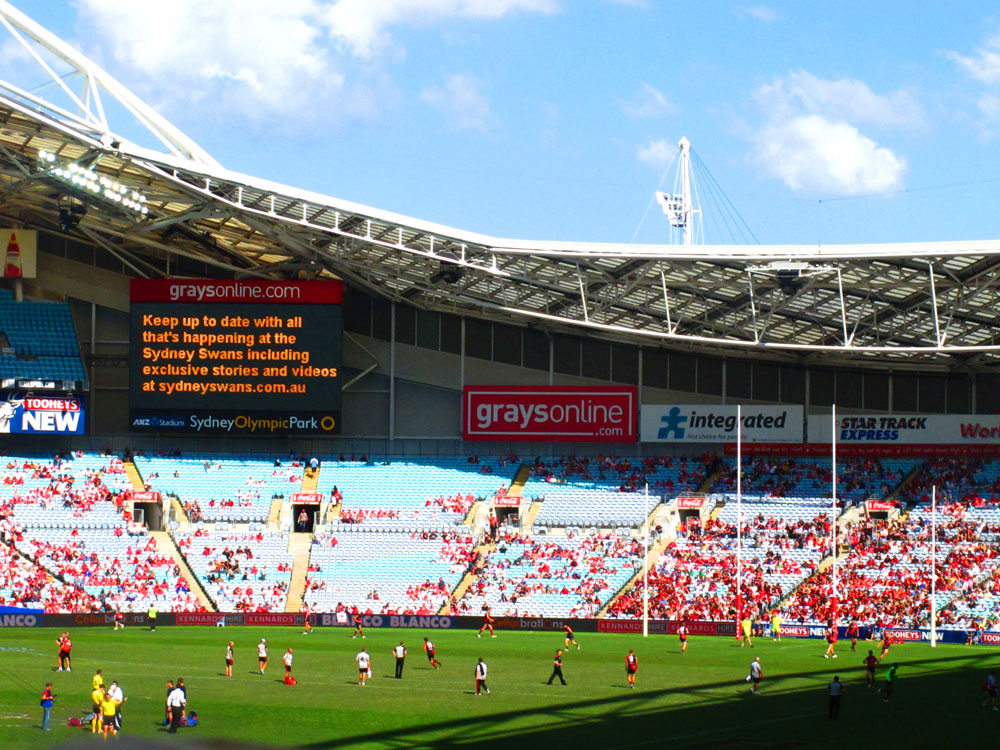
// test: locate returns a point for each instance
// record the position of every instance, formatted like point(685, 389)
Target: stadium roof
point(931, 304)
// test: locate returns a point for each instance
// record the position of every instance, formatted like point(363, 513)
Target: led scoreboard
point(244, 357)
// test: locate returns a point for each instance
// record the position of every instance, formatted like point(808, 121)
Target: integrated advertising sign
point(550, 413)
point(48, 415)
point(693, 423)
point(908, 429)
point(245, 357)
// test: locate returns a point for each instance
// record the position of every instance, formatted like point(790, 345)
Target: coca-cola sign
point(692, 503)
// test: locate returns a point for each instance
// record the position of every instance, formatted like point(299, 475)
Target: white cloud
point(361, 25)
point(846, 98)
point(648, 102)
point(656, 153)
point(760, 12)
point(272, 51)
point(321, 59)
point(461, 99)
point(814, 154)
point(984, 66)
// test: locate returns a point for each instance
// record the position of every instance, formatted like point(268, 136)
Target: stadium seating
point(240, 571)
point(43, 339)
point(229, 488)
point(857, 478)
point(607, 491)
point(695, 578)
point(386, 571)
point(553, 577)
point(403, 483)
point(886, 576)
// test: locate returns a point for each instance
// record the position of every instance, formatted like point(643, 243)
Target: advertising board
point(700, 423)
point(550, 413)
point(25, 414)
point(18, 253)
point(908, 429)
point(246, 357)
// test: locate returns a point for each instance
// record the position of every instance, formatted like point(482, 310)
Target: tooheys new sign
point(691, 423)
point(50, 414)
point(550, 413)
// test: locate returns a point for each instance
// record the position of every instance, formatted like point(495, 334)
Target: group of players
point(107, 702)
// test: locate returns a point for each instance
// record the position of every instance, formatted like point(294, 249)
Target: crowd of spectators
point(696, 576)
point(529, 576)
point(784, 476)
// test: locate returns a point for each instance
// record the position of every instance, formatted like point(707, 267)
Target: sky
point(849, 122)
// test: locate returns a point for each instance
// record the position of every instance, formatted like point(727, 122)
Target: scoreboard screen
point(244, 357)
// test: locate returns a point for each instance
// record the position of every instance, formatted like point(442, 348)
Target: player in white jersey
point(364, 666)
point(262, 655)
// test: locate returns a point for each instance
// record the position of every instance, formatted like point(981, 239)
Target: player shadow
point(732, 721)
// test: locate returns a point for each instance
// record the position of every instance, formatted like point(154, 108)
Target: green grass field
point(699, 699)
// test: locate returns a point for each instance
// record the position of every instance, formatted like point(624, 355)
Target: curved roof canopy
point(932, 304)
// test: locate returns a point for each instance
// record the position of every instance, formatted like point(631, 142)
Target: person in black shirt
point(557, 668)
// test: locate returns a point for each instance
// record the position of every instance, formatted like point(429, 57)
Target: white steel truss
point(932, 304)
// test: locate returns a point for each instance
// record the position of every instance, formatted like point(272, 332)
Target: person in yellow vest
point(746, 626)
point(776, 625)
point(98, 681)
point(151, 615)
point(96, 697)
point(109, 707)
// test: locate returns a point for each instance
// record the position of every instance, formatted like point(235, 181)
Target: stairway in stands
point(134, 477)
point(659, 516)
point(299, 546)
point(165, 544)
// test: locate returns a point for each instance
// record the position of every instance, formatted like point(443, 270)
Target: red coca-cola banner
point(507, 501)
point(881, 505)
point(690, 502)
point(307, 498)
point(147, 496)
point(550, 413)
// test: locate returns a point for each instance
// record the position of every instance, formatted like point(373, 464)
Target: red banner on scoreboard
point(550, 413)
point(307, 498)
point(880, 505)
point(237, 291)
point(692, 503)
point(146, 497)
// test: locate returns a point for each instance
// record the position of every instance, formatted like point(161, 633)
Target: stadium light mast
point(679, 206)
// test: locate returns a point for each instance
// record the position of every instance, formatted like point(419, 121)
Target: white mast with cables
point(679, 206)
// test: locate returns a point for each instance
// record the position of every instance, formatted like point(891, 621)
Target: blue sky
point(556, 119)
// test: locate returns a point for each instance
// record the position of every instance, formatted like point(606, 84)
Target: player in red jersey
point(487, 623)
point(631, 667)
point(569, 637)
point(429, 648)
point(308, 628)
point(682, 633)
point(886, 644)
point(831, 639)
point(229, 660)
point(870, 663)
point(358, 630)
point(119, 620)
point(853, 633)
point(63, 659)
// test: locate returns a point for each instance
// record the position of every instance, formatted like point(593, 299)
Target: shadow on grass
point(927, 710)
